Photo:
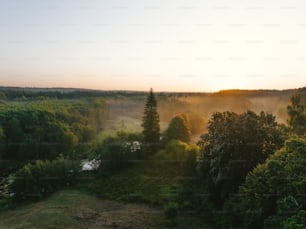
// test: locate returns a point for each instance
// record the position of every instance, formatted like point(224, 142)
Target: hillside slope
point(130, 198)
point(74, 209)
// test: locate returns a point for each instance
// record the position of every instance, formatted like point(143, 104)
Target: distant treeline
point(71, 93)
point(130, 103)
point(16, 93)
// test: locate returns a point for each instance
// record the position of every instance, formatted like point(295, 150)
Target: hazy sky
point(172, 45)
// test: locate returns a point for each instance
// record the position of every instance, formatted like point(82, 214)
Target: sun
point(225, 84)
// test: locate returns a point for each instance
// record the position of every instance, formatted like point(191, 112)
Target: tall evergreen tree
point(151, 128)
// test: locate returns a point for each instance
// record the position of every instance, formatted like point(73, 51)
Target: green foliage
point(190, 192)
point(129, 137)
point(179, 129)
point(287, 204)
point(148, 181)
point(171, 212)
point(2, 96)
point(273, 190)
point(174, 150)
point(191, 160)
point(296, 145)
point(193, 195)
point(2, 143)
point(117, 152)
point(233, 146)
point(297, 118)
point(35, 181)
point(35, 134)
point(297, 221)
point(113, 154)
point(274, 221)
point(151, 180)
point(44, 129)
point(151, 128)
point(180, 153)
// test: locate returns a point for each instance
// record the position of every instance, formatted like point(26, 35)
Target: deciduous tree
point(297, 118)
point(234, 145)
point(179, 128)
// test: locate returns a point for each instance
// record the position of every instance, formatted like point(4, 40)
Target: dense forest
point(232, 159)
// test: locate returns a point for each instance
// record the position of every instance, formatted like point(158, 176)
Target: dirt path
point(112, 214)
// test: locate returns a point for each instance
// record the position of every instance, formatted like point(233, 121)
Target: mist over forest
point(130, 103)
point(234, 158)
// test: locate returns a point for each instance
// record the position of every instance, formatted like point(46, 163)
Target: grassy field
point(74, 209)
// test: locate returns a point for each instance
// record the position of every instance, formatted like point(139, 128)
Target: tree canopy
point(179, 128)
point(234, 145)
point(40, 130)
point(273, 193)
point(297, 118)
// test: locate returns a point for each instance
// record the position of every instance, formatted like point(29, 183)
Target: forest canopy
point(217, 159)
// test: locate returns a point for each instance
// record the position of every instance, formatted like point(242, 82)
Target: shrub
point(171, 212)
point(117, 152)
point(297, 221)
point(38, 180)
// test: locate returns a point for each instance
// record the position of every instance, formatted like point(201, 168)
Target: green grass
point(72, 209)
point(75, 209)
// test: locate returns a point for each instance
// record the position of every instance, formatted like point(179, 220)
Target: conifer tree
point(151, 128)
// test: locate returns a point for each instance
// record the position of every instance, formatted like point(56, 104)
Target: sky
point(169, 45)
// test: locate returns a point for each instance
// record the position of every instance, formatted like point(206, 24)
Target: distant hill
point(38, 90)
point(130, 104)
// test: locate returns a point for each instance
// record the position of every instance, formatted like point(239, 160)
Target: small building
point(136, 145)
point(90, 165)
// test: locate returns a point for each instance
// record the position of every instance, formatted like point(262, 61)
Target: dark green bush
point(38, 180)
point(171, 212)
point(117, 152)
point(297, 221)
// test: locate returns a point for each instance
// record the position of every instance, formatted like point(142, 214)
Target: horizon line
point(144, 91)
